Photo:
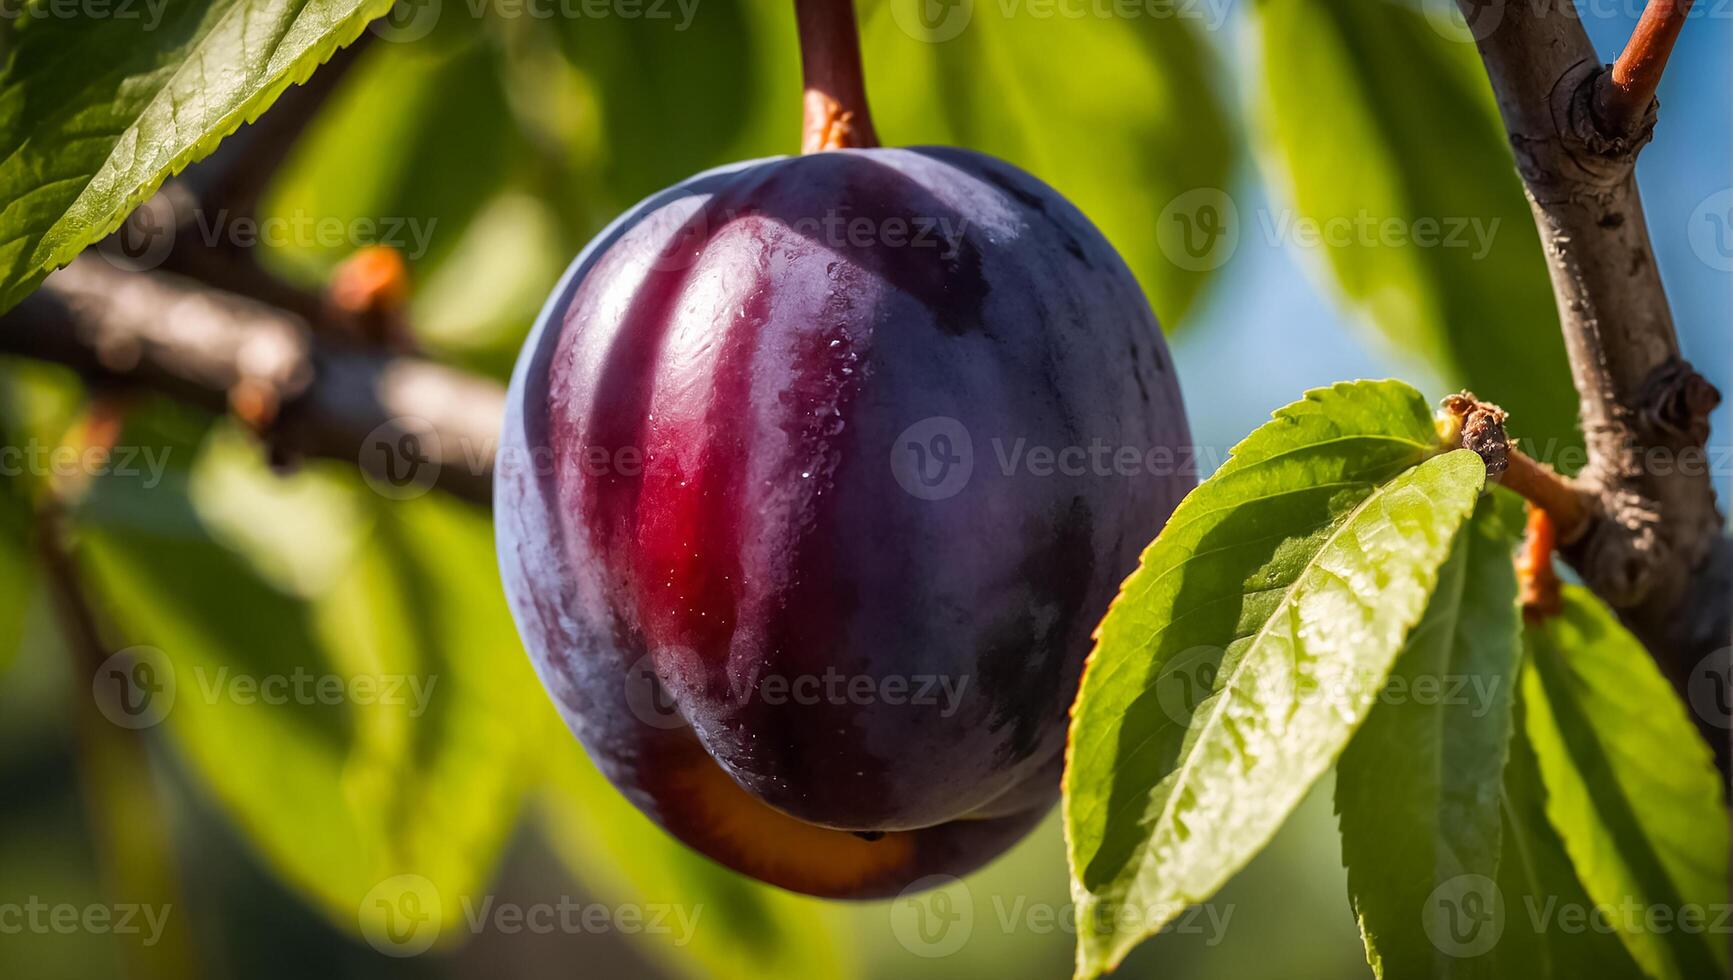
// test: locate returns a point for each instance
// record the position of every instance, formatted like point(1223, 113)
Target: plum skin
point(697, 505)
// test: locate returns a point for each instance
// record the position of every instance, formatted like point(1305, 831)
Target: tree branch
point(1654, 539)
point(303, 396)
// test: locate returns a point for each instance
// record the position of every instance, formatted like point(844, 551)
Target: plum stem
point(836, 115)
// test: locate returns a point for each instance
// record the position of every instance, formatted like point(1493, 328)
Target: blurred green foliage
point(500, 144)
point(1435, 246)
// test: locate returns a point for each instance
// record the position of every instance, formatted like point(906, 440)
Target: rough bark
point(304, 396)
point(1654, 546)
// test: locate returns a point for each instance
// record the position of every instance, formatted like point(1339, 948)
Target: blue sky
point(1268, 332)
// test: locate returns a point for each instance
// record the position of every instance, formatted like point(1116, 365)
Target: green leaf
point(96, 113)
point(1536, 884)
point(1418, 787)
point(372, 732)
point(416, 141)
point(1370, 115)
point(661, 120)
point(738, 927)
point(1120, 114)
point(1631, 787)
point(1242, 653)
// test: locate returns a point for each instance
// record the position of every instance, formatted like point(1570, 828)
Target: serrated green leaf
point(1631, 787)
point(1417, 789)
point(1052, 94)
point(371, 732)
point(1536, 883)
point(96, 113)
point(1242, 653)
point(741, 929)
point(1371, 114)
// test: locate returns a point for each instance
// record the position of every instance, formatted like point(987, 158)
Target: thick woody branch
point(303, 396)
point(1654, 536)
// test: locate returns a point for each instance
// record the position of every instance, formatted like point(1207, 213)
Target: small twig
point(1625, 94)
point(369, 290)
point(836, 114)
point(77, 617)
point(1555, 495)
point(1474, 424)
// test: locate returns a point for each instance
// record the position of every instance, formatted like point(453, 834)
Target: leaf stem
point(1542, 486)
point(1534, 568)
point(1624, 94)
point(836, 115)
